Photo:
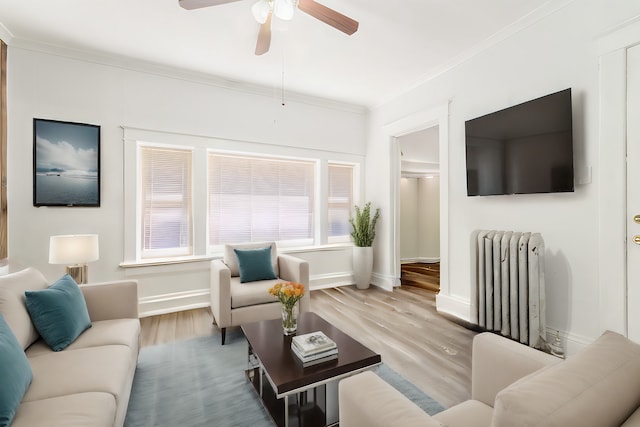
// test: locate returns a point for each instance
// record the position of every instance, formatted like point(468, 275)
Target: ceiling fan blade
point(329, 16)
point(264, 37)
point(197, 4)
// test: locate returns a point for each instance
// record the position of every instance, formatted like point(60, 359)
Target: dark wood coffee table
point(293, 394)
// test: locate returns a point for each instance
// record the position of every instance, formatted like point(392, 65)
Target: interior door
point(633, 192)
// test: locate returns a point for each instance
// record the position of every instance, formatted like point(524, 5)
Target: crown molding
point(5, 35)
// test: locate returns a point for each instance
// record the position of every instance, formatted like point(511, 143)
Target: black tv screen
point(527, 148)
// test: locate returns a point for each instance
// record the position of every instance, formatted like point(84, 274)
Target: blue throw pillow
point(59, 312)
point(255, 264)
point(15, 372)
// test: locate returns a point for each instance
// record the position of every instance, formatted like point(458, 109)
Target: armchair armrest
point(497, 362)
point(221, 293)
point(294, 269)
point(365, 399)
point(111, 300)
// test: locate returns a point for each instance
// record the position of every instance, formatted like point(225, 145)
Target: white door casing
point(633, 192)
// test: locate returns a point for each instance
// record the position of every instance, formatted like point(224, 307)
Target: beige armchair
point(234, 303)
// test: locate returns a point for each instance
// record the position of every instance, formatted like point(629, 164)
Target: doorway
point(419, 214)
point(619, 256)
point(438, 116)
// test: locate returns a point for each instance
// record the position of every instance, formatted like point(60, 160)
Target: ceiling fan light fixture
point(261, 10)
point(284, 9)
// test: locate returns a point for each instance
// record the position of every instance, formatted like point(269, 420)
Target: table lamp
point(75, 250)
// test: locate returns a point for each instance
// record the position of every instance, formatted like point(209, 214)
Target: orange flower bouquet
point(288, 293)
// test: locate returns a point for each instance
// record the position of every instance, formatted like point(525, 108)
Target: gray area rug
point(198, 382)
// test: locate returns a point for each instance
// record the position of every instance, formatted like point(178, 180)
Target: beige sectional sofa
point(514, 385)
point(89, 382)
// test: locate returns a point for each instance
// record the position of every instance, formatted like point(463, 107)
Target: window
point(260, 199)
point(166, 218)
point(340, 199)
point(186, 196)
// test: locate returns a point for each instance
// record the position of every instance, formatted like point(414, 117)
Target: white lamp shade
point(284, 9)
point(261, 10)
point(73, 249)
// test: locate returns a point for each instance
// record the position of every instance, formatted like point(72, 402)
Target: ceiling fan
point(263, 11)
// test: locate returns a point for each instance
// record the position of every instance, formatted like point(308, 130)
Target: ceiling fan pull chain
point(283, 80)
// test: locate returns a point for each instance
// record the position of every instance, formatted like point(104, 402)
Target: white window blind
point(340, 201)
point(166, 202)
point(255, 199)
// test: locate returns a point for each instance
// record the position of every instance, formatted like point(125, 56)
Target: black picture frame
point(66, 163)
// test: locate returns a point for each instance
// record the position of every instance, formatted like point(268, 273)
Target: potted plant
point(363, 233)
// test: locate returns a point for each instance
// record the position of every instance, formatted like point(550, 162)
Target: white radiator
point(507, 289)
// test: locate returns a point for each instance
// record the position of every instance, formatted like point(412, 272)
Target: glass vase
point(289, 318)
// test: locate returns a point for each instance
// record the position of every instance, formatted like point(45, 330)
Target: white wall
point(429, 214)
point(409, 239)
point(553, 53)
point(420, 219)
point(57, 86)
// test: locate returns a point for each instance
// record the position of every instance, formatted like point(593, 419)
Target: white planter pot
point(362, 266)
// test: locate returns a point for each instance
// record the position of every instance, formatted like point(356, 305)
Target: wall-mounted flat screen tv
point(527, 148)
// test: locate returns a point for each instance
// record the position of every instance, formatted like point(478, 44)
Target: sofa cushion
point(101, 369)
point(15, 372)
point(255, 264)
point(12, 306)
point(633, 420)
point(385, 406)
point(231, 259)
point(245, 295)
point(103, 332)
point(600, 386)
point(59, 313)
point(74, 410)
point(468, 413)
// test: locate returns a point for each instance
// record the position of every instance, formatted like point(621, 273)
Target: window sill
point(203, 258)
point(166, 261)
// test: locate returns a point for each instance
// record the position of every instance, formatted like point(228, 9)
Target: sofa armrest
point(111, 300)
point(365, 399)
point(497, 362)
point(221, 293)
point(294, 269)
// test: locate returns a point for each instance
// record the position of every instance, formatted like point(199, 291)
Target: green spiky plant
point(363, 226)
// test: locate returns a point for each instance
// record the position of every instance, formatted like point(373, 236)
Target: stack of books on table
point(314, 348)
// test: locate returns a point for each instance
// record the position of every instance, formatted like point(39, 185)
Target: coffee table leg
point(331, 403)
point(286, 411)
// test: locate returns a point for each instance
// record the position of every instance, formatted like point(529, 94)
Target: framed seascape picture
point(66, 163)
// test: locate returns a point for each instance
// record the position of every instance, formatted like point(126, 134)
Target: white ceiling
point(399, 43)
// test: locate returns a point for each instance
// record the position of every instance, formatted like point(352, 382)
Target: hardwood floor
point(178, 326)
point(423, 275)
point(403, 326)
point(433, 352)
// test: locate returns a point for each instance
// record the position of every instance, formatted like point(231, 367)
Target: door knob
point(636, 219)
point(636, 239)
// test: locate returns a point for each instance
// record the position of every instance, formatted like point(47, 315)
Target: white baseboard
point(384, 281)
point(571, 343)
point(324, 281)
point(453, 306)
point(345, 279)
point(173, 302)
